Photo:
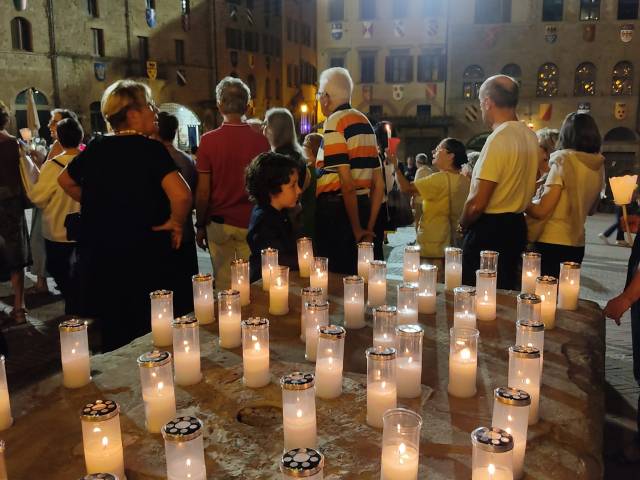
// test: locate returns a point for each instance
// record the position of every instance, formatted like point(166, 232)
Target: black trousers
point(506, 233)
point(553, 255)
point(61, 262)
point(334, 237)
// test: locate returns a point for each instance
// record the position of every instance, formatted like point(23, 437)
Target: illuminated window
point(622, 79)
point(472, 78)
point(585, 80)
point(547, 81)
point(513, 70)
point(589, 10)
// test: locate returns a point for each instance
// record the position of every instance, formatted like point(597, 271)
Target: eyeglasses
point(439, 149)
point(319, 95)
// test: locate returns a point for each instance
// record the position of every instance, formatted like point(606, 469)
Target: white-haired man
point(350, 187)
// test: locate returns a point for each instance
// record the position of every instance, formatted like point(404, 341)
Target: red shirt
point(225, 153)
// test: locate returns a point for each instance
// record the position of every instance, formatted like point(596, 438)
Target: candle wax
point(304, 264)
point(320, 280)
point(568, 295)
point(483, 473)
point(204, 309)
point(230, 329)
point(266, 277)
point(279, 299)
point(381, 396)
point(529, 281)
point(6, 420)
point(363, 270)
point(462, 375)
point(377, 293)
point(452, 275)
point(464, 320)
point(399, 462)
point(354, 313)
point(255, 362)
point(311, 342)
point(328, 378)
point(427, 303)
point(407, 316)
point(485, 309)
point(408, 377)
point(159, 406)
point(161, 330)
point(187, 367)
point(386, 340)
point(76, 370)
point(411, 275)
point(105, 458)
point(299, 430)
point(242, 286)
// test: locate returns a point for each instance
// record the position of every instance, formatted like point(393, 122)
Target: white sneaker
point(604, 238)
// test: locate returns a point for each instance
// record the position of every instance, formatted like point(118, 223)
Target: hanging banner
point(150, 17)
point(471, 113)
point(367, 29)
point(152, 70)
point(626, 33)
point(620, 111)
point(100, 71)
point(336, 30)
point(544, 111)
point(398, 92)
point(550, 33)
point(431, 90)
point(589, 33)
point(398, 28)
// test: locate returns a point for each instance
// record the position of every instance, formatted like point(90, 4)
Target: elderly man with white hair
point(350, 187)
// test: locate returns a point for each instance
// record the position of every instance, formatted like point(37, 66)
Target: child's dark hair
point(69, 132)
point(266, 174)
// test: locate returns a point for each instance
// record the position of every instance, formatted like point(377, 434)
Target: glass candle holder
point(203, 298)
point(255, 352)
point(317, 315)
point(463, 362)
point(511, 414)
point(409, 360)
point(329, 361)
point(279, 291)
point(299, 410)
point(353, 302)
point(486, 295)
point(547, 290)
point(489, 260)
point(492, 454)
point(569, 287)
point(229, 316)
point(161, 317)
point(400, 444)
point(531, 262)
point(411, 267)
point(269, 260)
point(381, 383)
point(531, 334)
point(452, 268)
point(528, 307)
point(74, 353)
point(365, 257)
point(385, 321)
point(184, 449)
point(464, 307)
point(89, 476)
point(524, 374)
point(320, 275)
point(407, 303)
point(101, 438)
point(305, 256)
point(302, 463)
point(240, 280)
point(6, 420)
point(377, 285)
point(158, 395)
point(307, 295)
point(186, 350)
point(428, 276)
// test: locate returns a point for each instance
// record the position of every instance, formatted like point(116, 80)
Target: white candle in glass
point(101, 437)
point(531, 264)
point(320, 275)
point(240, 280)
point(409, 361)
point(410, 271)
point(489, 260)
point(317, 315)
point(156, 379)
point(381, 383)
point(203, 298)
point(229, 318)
point(186, 350)
point(428, 275)
point(486, 295)
point(305, 256)
point(365, 256)
point(354, 302)
point(464, 307)
point(569, 286)
point(400, 445)
point(530, 333)
point(377, 286)
point(399, 462)
point(463, 362)
point(511, 414)
point(547, 290)
point(279, 291)
point(452, 268)
point(306, 463)
point(269, 258)
point(407, 303)
point(524, 374)
point(492, 454)
point(6, 420)
point(74, 353)
point(161, 317)
point(329, 361)
point(385, 321)
point(255, 352)
point(307, 294)
point(184, 449)
point(299, 410)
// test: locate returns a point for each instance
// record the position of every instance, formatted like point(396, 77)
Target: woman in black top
point(134, 204)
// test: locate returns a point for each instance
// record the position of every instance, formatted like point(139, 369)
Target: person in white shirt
point(48, 195)
point(502, 184)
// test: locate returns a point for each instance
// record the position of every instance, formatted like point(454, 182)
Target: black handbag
point(72, 224)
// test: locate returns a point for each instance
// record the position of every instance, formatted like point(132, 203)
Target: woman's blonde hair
point(547, 139)
point(283, 127)
point(121, 96)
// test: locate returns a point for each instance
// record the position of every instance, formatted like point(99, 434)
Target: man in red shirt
point(222, 204)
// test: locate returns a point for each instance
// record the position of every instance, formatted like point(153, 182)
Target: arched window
point(547, 82)
point(42, 107)
point(585, 81)
point(472, 78)
point(622, 79)
point(513, 70)
point(21, 34)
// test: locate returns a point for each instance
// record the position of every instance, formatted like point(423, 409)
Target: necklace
point(128, 132)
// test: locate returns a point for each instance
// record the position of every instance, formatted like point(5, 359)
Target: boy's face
point(288, 195)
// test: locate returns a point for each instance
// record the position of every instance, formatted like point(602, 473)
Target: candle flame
point(329, 351)
point(529, 274)
point(410, 358)
point(188, 462)
point(491, 469)
point(465, 354)
point(187, 349)
point(256, 347)
point(105, 442)
point(384, 385)
point(402, 449)
point(154, 374)
point(73, 351)
point(299, 413)
point(254, 338)
point(279, 281)
point(508, 430)
point(160, 386)
point(486, 297)
point(510, 418)
point(97, 429)
point(527, 381)
point(159, 316)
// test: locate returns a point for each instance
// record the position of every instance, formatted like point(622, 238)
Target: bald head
point(502, 90)
point(337, 83)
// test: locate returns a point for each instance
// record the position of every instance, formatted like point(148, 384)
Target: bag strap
point(59, 163)
point(451, 229)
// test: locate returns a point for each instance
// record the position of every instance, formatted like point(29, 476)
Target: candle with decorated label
point(305, 256)
point(569, 287)
point(428, 275)
point(320, 275)
point(299, 410)
point(156, 379)
point(255, 352)
point(492, 454)
point(307, 294)
point(486, 295)
point(407, 303)
point(452, 268)
point(411, 270)
point(377, 285)
point(304, 463)
point(279, 291)
point(101, 437)
point(463, 362)
point(524, 374)
point(409, 360)
point(240, 280)
point(511, 414)
point(229, 316)
point(531, 262)
point(329, 361)
point(184, 449)
point(400, 445)
point(365, 256)
point(186, 350)
point(203, 298)
point(354, 302)
point(74, 353)
point(547, 290)
point(381, 383)
point(269, 258)
point(161, 317)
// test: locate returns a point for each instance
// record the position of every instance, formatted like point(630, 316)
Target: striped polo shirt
point(348, 140)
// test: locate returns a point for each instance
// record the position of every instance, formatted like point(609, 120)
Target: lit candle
point(407, 303)
point(279, 291)
point(547, 290)
point(6, 420)
point(304, 463)
point(464, 307)
point(184, 449)
point(186, 350)
point(530, 333)
point(203, 299)
point(74, 353)
point(161, 317)
point(307, 294)
point(305, 256)
point(156, 378)
point(489, 260)
point(299, 410)
point(524, 374)
point(528, 307)
point(569, 288)
point(101, 437)
point(463, 362)
point(428, 275)
point(452, 268)
point(511, 414)
point(409, 361)
point(269, 257)
point(530, 271)
point(229, 317)
point(400, 445)
point(486, 295)
point(381, 383)
point(329, 361)
point(240, 280)
point(317, 315)
point(492, 454)
point(377, 287)
point(385, 321)
point(354, 302)
point(410, 272)
point(320, 275)
point(365, 256)
point(255, 352)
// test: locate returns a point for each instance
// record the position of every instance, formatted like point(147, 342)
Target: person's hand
point(616, 307)
point(362, 235)
point(201, 238)
point(176, 231)
point(392, 158)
